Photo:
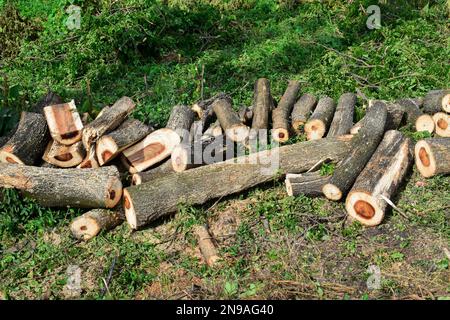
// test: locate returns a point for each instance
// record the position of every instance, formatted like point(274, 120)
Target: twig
point(389, 202)
point(108, 279)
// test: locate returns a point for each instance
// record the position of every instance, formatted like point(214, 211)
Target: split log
point(343, 117)
point(180, 120)
point(110, 119)
point(64, 156)
point(441, 121)
point(88, 225)
point(363, 146)
point(50, 99)
point(152, 174)
point(436, 101)
point(110, 145)
point(309, 184)
point(320, 120)
point(421, 121)
point(156, 147)
point(262, 104)
point(246, 115)
point(90, 161)
point(28, 143)
point(206, 245)
point(143, 203)
point(64, 123)
point(280, 115)
point(89, 188)
point(302, 111)
point(204, 110)
point(380, 179)
point(229, 120)
point(432, 156)
point(214, 130)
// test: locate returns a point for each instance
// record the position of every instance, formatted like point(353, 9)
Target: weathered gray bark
point(309, 184)
point(432, 156)
point(280, 115)
point(343, 117)
point(436, 101)
point(88, 225)
point(229, 120)
point(394, 118)
point(302, 111)
point(180, 120)
point(320, 120)
point(262, 104)
point(421, 121)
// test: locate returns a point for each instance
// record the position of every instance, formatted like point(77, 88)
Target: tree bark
point(436, 101)
point(320, 120)
point(421, 121)
point(343, 117)
point(88, 225)
point(380, 179)
point(206, 245)
point(147, 176)
point(308, 184)
point(180, 120)
point(394, 118)
point(246, 115)
point(64, 123)
point(280, 115)
point(64, 156)
point(262, 104)
point(89, 188)
point(432, 156)
point(441, 121)
point(204, 110)
point(302, 111)
point(229, 120)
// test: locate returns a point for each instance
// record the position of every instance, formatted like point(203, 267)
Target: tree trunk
point(436, 101)
point(89, 188)
point(320, 120)
point(380, 179)
point(343, 117)
point(147, 176)
point(229, 120)
point(90, 161)
point(308, 184)
point(180, 120)
point(143, 203)
point(64, 156)
point(88, 225)
point(28, 143)
point(302, 111)
point(421, 121)
point(280, 115)
point(262, 104)
point(363, 146)
point(441, 121)
point(433, 156)
point(206, 245)
point(64, 123)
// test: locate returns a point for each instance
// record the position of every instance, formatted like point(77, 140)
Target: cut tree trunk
point(380, 179)
point(180, 120)
point(436, 101)
point(442, 121)
point(343, 117)
point(109, 119)
point(161, 170)
point(421, 121)
point(110, 145)
point(302, 111)
point(206, 245)
point(280, 115)
point(309, 184)
point(28, 143)
point(88, 225)
point(262, 104)
point(143, 203)
point(89, 188)
point(204, 110)
point(156, 147)
point(246, 115)
point(49, 99)
point(90, 161)
point(229, 120)
point(64, 156)
point(364, 144)
point(432, 156)
point(64, 123)
point(320, 120)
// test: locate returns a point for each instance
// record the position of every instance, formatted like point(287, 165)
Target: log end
point(441, 121)
point(332, 192)
point(130, 213)
point(88, 164)
point(297, 126)
point(280, 135)
point(425, 123)
point(8, 157)
point(114, 192)
point(364, 208)
point(446, 103)
point(315, 129)
point(288, 187)
point(180, 158)
point(68, 138)
point(84, 228)
point(136, 179)
point(425, 162)
point(106, 150)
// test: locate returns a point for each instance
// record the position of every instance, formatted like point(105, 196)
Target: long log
point(89, 224)
point(320, 120)
point(180, 120)
point(64, 123)
point(143, 203)
point(280, 115)
point(420, 120)
point(89, 188)
point(380, 179)
point(302, 111)
point(28, 143)
point(436, 101)
point(442, 121)
point(363, 146)
point(64, 156)
point(161, 170)
point(308, 184)
point(343, 117)
point(432, 156)
point(262, 104)
point(229, 120)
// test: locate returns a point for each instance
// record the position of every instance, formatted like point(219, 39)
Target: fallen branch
point(320, 120)
point(280, 115)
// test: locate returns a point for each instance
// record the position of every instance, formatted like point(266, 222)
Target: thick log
point(28, 143)
point(206, 245)
point(64, 123)
point(50, 99)
point(64, 156)
point(90, 161)
point(343, 117)
point(180, 120)
point(109, 119)
point(110, 145)
point(309, 184)
point(161, 170)
point(246, 115)
point(421, 121)
point(262, 104)
point(363, 146)
point(432, 156)
point(156, 147)
point(88, 225)
point(302, 111)
point(436, 101)
point(229, 120)
point(320, 120)
point(89, 188)
point(380, 179)
point(280, 115)
point(442, 121)
point(143, 203)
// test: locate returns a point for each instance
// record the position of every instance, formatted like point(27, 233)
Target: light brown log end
point(114, 193)
point(425, 123)
point(206, 245)
point(136, 179)
point(315, 129)
point(441, 121)
point(106, 150)
point(332, 192)
point(180, 158)
point(280, 135)
point(364, 208)
point(7, 157)
point(446, 103)
point(288, 184)
point(298, 126)
point(130, 213)
point(424, 159)
point(84, 228)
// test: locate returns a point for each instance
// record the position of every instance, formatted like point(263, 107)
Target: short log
point(280, 115)
point(343, 117)
point(302, 110)
point(432, 156)
point(64, 156)
point(89, 224)
point(441, 122)
point(320, 120)
point(64, 123)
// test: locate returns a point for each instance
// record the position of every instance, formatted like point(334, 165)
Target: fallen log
point(206, 245)
point(28, 143)
point(262, 105)
point(90, 161)
point(320, 120)
point(204, 110)
point(441, 121)
point(180, 120)
point(64, 123)
point(432, 156)
point(364, 144)
point(343, 117)
point(421, 121)
point(143, 203)
point(110, 145)
point(280, 115)
point(229, 120)
point(308, 184)
point(302, 111)
point(436, 101)
point(89, 188)
point(380, 179)
point(89, 225)
point(64, 156)
point(152, 174)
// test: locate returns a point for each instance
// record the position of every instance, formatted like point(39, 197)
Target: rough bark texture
point(229, 120)
point(441, 122)
point(320, 120)
point(413, 115)
point(180, 120)
point(50, 99)
point(89, 188)
point(380, 179)
point(302, 111)
point(161, 170)
point(206, 245)
point(262, 104)
point(363, 146)
point(309, 184)
point(280, 115)
point(64, 123)
point(436, 101)
point(343, 117)
point(88, 225)
point(432, 156)
point(28, 143)
point(196, 186)
point(64, 156)
point(204, 110)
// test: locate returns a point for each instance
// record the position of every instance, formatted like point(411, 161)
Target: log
point(308, 184)
point(109, 119)
point(262, 104)
point(28, 143)
point(204, 110)
point(64, 156)
point(432, 156)
point(280, 115)
point(421, 121)
point(302, 111)
point(441, 121)
point(363, 146)
point(246, 115)
point(196, 186)
point(64, 123)
point(180, 120)
point(214, 130)
point(50, 99)
point(229, 120)
point(206, 245)
point(380, 179)
point(89, 224)
point(110, 145)
point(436, 101)
point(343, 117)
point(152, 174)
point(156, 147)
point(90, 161)
point(320, 120)
point(89, 188)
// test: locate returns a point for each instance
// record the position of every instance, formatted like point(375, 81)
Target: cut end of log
point(315, 129)
point(332, 192)
point(441, 121)
point(424, 159)
point(298, 126)
point(288, 187)
point(446, 103)
point(84, 228)
point(180, 158)
point(280, 135)
point(238, 133)
point(364, 208)
point(114, 193)
point(7, 157)
point(425, 123)
point(136, 179)
point(130, 214)
point(64, 123)
point(107, 150)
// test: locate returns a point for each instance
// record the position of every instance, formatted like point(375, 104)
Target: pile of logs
point(60, 159)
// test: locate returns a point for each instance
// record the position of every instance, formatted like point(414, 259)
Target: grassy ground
point(273, 246)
